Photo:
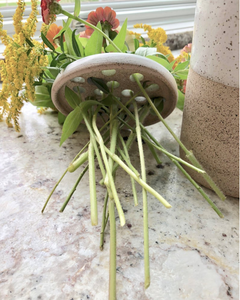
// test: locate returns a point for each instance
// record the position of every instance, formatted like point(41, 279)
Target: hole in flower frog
point(138, 75)
point(152, 88)
point(127, 93)
point(79, 89)
point(78, 80)
point(98, 92)
point(108, 72)
point(141, 100)
point(113, 84)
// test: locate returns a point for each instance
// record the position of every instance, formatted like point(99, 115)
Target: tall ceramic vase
point(210, 125)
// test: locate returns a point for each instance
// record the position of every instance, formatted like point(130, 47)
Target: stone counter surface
point(56, 256)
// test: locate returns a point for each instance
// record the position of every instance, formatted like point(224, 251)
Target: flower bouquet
point(115, 82)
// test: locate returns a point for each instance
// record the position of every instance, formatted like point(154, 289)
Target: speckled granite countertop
point(54, 256)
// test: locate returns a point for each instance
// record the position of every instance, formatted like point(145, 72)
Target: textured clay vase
point(210, 125)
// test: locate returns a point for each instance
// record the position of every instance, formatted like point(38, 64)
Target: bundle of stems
point(110, 150)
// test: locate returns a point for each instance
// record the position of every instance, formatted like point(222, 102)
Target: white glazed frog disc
point(117, 67)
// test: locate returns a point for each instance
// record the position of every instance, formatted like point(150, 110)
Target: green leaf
point(29, 51)
point(72, 98)
point(49, 74)
point(49, 80)
point(83, 41)
point(180, 101)
point(108, 101)
point(43, 103)
point(152, 52)
point(61, 56)
point(59, 49)
point(85, 105)
point(136, 44)
point(146, 51)
point(80, 46)
point(100, 83)
point(75, 118)
point(77, 8)
point(119, 40)
point(161, 61)
point(124, 49)
point(61, 118)
point(159, 104)
point(42, 97)
point(63, 66)
point(53, 62)
point(65, 26)
point(112, 34)
point(75, 44)
point(172, 63)
point(54, 70)
point(61, 41)
point(68, 40)
point(29, 42)
point(181, 66)
point(71, 123)
point(182, 74)
point(94, 45)
point(143, 40)
point(43, 90)
point(46, 42)
point(165, 57)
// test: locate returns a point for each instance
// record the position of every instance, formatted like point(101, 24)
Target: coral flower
point(46, 10)
point(83, 34)
point(52, 32)
point(187, 49)
point(106, 16)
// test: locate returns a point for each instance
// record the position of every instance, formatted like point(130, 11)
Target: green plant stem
point(104, 221)
point(92, 26)
point(159, 148)
point(109, 173)
point(129, 161)
point(188, 177)
point(107, 33)
point(172, 156)
point(113, 244)
point(153, 151)
point(189, 154)
point(132, 135)
point(136, 178)
point(145, 112)
point(208, 179)
point(92, 137)
point(73, 189)
point(65, 172)
point(74, 165)
point(119, 111)
point(78, 162)
point(145, 204)
point(92, 185)
point(114, 127)
point(199, 189)
point(67, 55)
point(53, 190)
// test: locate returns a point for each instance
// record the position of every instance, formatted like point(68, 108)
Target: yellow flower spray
point(157, 38)
point(24, 59)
